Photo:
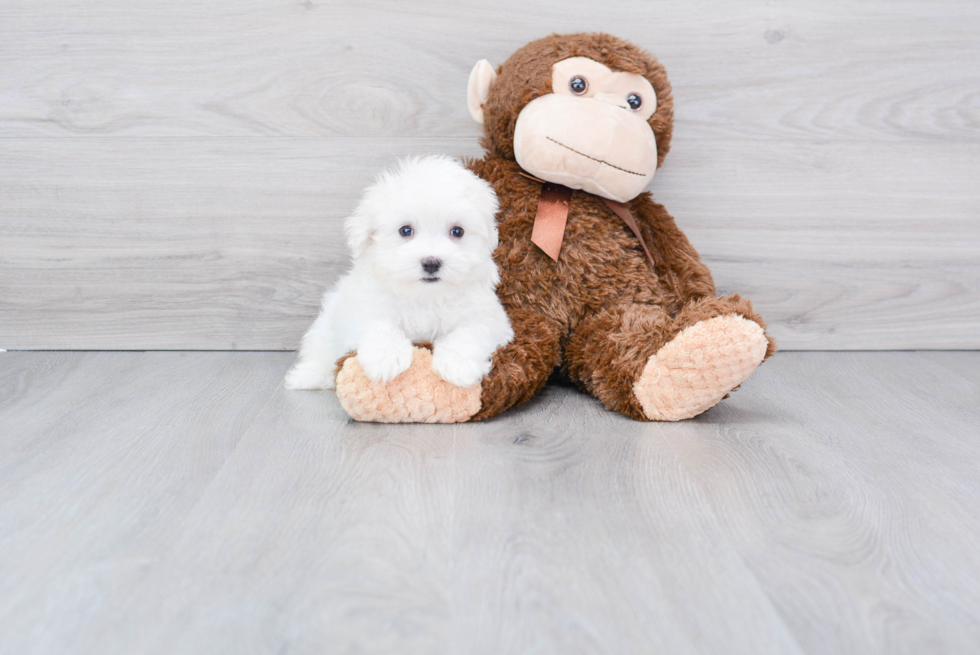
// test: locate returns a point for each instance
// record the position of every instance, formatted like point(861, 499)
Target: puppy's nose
point(430, 265)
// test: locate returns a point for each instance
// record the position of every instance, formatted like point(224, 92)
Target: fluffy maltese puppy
point(421, 239)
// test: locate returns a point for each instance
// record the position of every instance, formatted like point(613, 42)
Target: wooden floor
point(185, 503)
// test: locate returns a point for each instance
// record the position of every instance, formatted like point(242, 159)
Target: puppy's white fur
point(384, 303)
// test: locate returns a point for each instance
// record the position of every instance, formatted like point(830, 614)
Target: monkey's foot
point(694, 371)
point(416, 396)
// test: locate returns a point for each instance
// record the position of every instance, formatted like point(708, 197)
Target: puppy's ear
point(488, 205)
point(357, 229)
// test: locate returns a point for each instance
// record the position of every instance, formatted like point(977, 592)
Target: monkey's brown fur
point(600, 312)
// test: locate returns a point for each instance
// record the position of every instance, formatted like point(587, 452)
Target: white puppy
point(421, 240)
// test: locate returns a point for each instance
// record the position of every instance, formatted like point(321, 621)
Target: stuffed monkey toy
point(596, 278)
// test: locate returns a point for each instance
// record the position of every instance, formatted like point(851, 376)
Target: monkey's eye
point(456, 232)
point(578, 85)
point(406, 230)
point(634, 101)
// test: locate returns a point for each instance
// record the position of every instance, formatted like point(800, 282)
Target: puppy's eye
point(578, 85)
point(456, 232)
point(406, 230)
point(634, 101)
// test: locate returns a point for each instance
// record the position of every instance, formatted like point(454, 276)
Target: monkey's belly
point(602, 265)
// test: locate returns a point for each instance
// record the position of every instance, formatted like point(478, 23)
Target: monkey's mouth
point(601, 161)
point(430, 278)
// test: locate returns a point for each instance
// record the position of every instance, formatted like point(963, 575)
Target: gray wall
point(174, 174)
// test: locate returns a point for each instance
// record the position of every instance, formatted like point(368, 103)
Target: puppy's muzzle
point(431, 265)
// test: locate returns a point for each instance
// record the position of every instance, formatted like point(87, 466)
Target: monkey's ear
point(478, 89)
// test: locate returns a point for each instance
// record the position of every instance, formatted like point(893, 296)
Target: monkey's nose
point(431, 265)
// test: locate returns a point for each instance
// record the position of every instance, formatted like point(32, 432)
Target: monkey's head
point(589, 111)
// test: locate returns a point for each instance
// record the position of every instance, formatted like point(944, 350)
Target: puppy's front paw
point(384, 361)
point(458, 369)
point(310, 375)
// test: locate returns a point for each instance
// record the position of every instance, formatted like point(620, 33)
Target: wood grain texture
point(229, 243)
point(173, 175)
point(184, 502)
point(880, 70)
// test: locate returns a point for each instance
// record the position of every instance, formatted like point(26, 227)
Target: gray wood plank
point(866, 481)
point(184, 502)
point(228, 243)
point(876, 70)
point(99, 453)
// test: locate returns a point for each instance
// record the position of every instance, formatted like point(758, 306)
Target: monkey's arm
point(679, 265)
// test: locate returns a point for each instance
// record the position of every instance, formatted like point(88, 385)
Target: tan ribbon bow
point(549, 221)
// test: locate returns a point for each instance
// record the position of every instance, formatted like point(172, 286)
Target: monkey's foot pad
point(416, 396)
point(695, 370)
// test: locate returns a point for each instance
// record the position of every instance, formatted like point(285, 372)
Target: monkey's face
point(590, 111)
point(592, 131)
